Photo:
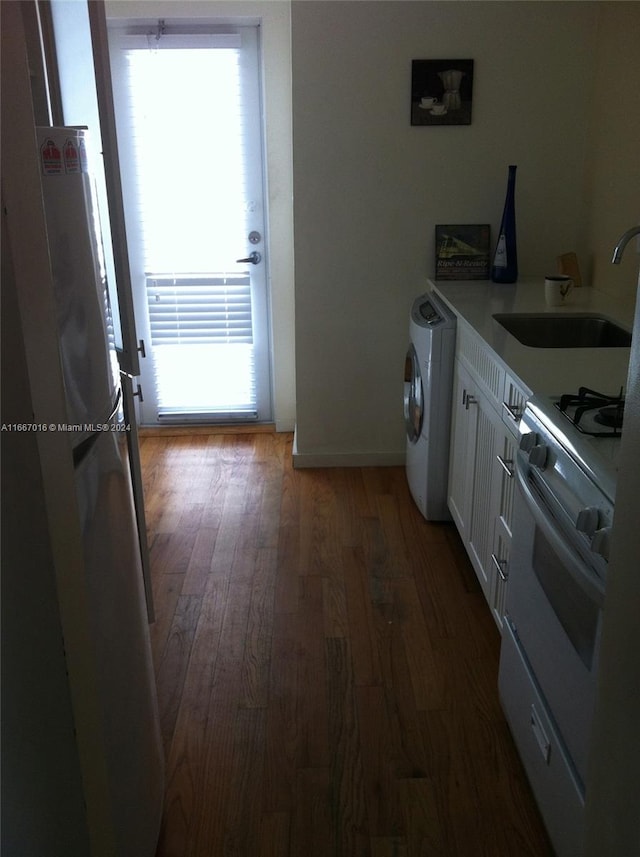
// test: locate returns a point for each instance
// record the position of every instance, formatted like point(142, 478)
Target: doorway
point(189, 122)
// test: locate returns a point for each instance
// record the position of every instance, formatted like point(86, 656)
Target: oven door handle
point(589, 582)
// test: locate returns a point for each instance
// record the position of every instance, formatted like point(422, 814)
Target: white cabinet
point(487, 404)
point(462, 452)
point(505, 459)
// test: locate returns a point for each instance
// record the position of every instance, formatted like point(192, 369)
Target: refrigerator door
point(135, 465)
point(130, 731)
point(87, 347)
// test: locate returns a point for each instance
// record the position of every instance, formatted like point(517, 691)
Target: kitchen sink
point(575, 330)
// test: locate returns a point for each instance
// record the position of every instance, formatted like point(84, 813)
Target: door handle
point(253, 258)
point(540, 735)
point(498, 563)
point(506, 464)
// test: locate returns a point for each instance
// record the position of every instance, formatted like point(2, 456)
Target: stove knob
point(528, 441)
point(538, 456)
point(588, 520)
point(601, 541)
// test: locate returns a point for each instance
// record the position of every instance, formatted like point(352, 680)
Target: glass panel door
point(189, 126)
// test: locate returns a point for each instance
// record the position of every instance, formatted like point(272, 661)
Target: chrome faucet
point(622, 243)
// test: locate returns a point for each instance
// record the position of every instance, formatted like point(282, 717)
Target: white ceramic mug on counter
point(556, 289)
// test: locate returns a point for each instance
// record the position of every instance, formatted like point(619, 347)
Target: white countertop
point(544, 371)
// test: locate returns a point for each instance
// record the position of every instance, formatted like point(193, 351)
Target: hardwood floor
point(326, 665)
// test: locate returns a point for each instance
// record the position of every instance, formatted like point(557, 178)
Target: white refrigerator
point(98, 433)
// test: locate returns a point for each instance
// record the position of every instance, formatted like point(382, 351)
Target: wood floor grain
point(326, 665)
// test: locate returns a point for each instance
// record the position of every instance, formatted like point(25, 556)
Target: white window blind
point(185, 114)
point(204, 320)
point(199, 309)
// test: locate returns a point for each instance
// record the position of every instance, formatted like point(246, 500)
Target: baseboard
point(227, 428)
point(285, 425)
point(345, 459)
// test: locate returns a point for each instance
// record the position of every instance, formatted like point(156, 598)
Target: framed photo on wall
point(441, 92)
point(462, 252)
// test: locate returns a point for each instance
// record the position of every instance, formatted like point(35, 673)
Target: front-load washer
point(428, 382)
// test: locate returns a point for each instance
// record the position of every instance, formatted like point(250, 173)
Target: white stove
point(566, 471)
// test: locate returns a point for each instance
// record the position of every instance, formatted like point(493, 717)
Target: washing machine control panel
point(429, 313)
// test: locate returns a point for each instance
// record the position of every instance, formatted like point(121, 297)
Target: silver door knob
point(253, 258)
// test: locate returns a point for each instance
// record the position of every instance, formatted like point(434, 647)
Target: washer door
point(413, 397)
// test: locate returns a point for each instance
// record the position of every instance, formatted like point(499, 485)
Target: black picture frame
point(463, 251)
point(441, 92)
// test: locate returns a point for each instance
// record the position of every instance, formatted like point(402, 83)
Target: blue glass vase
point(505, 259)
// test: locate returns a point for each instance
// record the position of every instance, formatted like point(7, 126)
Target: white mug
point(556, 289)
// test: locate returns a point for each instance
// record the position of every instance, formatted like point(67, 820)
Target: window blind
point(199, 309)
point(206, 320)
point(186, 118)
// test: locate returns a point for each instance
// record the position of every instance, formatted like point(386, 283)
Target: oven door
point(554, 607)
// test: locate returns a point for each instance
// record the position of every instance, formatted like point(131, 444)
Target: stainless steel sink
point(578, 330)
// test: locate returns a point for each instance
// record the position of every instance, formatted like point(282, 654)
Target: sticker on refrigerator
point(51, 158)
point(71, 157)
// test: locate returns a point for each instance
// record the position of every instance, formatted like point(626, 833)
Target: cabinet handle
point(507, 465)
point(513, 410)
point(471, 400)
point(540, 735)
point(504, 576)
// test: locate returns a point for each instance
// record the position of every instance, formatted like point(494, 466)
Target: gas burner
point(611, 416)
point(593, 413)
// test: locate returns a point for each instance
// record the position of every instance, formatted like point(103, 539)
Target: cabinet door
point(462, 451)
point(504, 463)
point(486, 481)
point(481, 485)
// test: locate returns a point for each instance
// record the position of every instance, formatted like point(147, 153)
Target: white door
point(189, 125)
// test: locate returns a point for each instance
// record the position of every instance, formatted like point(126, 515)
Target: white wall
point(274, 18)
point(369, 188)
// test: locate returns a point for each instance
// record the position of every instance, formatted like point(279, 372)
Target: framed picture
point(441, 92)
point(462, 252)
